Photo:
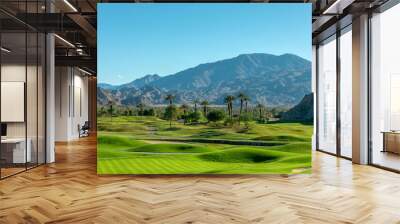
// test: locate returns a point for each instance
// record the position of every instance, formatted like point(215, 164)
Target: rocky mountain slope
point(304, 111)
point(269, 79)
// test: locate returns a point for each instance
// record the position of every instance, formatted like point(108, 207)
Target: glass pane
point(327, 96)
point(41, 99)
point(13, 86)
point(22, 89)
point(346, 94)
point(31, 98)
point(385, 84)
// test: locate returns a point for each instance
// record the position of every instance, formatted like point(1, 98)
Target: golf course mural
point(204, 89)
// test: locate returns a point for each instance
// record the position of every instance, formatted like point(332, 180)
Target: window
point(327, 96)
point(385, 89)
point(346, 93)
point(22, 89)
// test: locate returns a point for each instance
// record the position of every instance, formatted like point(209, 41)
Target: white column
point(360, 90)
point(50, 98)
point(63, 99)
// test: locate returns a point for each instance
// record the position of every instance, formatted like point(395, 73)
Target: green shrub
point(229, 122)
point(245, 117)
point(215, 115)
point(170, 113)
point(149, 112)
point(194, 117)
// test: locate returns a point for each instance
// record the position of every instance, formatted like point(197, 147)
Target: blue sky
point(139, 39)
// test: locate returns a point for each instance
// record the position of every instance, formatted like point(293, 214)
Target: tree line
point(200, 111)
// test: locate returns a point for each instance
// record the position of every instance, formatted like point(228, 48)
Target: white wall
point(80, 112)
point(33, 126)
point(71, 102)
point(62, 82)
point(14, 72)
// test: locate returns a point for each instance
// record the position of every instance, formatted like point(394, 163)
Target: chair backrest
point(86, 125)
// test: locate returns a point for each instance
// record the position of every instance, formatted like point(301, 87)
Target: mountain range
point(273, 80)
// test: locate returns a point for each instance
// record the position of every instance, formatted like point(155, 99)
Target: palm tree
point(246, 101)
point(170, 98)
point(170, 114)
point(205, 103)
point(196, 101)
point(242, 98)
point(229, 102)
point(260, 107)
point(185, 108)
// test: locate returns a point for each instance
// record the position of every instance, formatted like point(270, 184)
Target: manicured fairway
point(146, 145)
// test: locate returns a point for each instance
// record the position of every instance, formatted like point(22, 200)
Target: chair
point(84, 130)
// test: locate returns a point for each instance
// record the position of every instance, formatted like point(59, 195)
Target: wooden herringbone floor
point(69, 191)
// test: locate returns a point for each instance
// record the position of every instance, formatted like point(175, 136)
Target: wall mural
point(204, 89)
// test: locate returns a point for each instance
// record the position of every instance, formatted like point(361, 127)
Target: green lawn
point(147, 145)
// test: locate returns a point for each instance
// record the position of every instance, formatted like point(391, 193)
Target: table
point(13, 150)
